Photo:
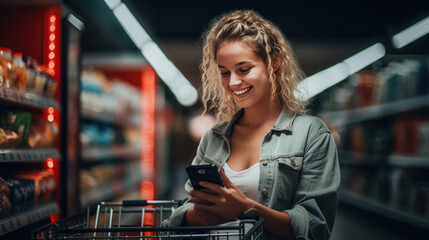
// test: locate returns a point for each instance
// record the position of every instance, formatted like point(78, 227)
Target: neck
point(261, 116)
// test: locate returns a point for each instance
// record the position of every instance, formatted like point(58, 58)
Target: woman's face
point(244, 74)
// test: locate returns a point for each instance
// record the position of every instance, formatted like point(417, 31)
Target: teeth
point(242, 91)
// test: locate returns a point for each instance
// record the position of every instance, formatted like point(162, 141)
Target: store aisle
point(356, 224)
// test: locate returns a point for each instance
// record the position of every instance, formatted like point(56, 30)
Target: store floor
point(355, 224)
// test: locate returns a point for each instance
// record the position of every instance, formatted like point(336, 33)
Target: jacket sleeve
point(176, 218)
point(315, 201)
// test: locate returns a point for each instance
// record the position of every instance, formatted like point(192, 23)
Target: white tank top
point(247, 180)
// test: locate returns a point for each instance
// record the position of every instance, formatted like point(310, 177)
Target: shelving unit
point(14, 97)
point(341, 118)
point(382, 209)
point(122, 155)
point(37, 163)
point(31, 216)
point(381, 151)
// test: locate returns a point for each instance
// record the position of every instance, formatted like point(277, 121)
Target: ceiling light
point(322, 80)
point(411, 34)
point(185, 93)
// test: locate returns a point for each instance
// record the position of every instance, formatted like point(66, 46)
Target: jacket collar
point(284, 123)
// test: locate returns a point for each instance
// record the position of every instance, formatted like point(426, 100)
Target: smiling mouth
point(241, 91)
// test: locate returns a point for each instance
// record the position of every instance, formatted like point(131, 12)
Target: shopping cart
point(129, 220)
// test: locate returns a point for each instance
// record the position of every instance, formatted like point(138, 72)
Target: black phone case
point(208, 173)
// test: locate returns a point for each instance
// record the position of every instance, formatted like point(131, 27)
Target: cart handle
point(138, 203)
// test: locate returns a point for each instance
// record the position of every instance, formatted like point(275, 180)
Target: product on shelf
point(6, 72)
point(20, 71)
point(42, 133)
point(3, 139)
point(18, 122)
point(21, 191)
point(5, 205)
point(44, 184)
point(112, 96)
point(28, 188)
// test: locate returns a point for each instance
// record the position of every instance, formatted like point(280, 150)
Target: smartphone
point(205, 172)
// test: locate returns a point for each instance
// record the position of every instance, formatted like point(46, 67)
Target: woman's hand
point(222, 203)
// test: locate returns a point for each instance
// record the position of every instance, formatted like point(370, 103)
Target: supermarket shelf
point(341, 118)
point(109, 118)
point(407, 161)
point(357, 159)
point(12, 96)
point(24, 155)
point(382, 209)
point(108, 191)
point(22, 219)
point(93, 154)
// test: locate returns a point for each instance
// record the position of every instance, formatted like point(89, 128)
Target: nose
point(234, 80)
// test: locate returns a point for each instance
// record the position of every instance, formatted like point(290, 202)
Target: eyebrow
point(238, 64)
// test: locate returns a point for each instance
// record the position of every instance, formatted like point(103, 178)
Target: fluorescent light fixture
point(185, 93)
point(75, 22)
point(411, 34)
point(322, 80)
point(133, 28)
point(365, 57)
point(164, 67)
point(112, 3)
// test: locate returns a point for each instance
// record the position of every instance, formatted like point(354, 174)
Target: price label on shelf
point(20, 220)
point(18, 155)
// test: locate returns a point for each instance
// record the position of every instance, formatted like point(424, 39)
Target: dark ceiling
point(322, 32)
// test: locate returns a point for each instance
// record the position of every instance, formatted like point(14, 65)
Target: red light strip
point(148, 96)
point(52, 42)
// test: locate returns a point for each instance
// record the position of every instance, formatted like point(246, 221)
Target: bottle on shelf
point(6, 71)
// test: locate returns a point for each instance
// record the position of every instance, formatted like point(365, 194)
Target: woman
point(275, 161)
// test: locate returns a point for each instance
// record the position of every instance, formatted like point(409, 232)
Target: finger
point(225, 179)
point(206, 196)
point(212, 186)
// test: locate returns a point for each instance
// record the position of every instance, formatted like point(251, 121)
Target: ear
point(275, 60)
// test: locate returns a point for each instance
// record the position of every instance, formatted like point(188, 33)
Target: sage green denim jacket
point(299, 172)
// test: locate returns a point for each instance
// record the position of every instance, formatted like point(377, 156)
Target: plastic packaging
point(6, 71)
point(20, 71)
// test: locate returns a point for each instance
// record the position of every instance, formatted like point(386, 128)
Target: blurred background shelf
point(21, 155)
point(365, 203)
point(110, 118)
point(95, 154)
point(408, 161)
point(357, 159)
point(27, 217)
point(109, 190)
point(340, 118)
point(15, 97)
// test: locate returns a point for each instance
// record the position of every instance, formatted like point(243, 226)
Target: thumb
point(225, 179)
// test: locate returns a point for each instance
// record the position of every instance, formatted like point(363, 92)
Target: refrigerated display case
point(30, 156)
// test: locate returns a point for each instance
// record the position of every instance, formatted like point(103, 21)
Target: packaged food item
point(44, 184)
point(20, 71)
point(21, 190)
point(42, 133)
point(31, 67)
point(3, 139)
point(6, 71)
point(4, 189)
point(18, 122)
point(13, 139)
point(5, 205)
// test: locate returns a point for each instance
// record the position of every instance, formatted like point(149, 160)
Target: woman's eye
point(245, 70)
point(224, 73)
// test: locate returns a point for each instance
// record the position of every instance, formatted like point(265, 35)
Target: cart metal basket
point(126, 220)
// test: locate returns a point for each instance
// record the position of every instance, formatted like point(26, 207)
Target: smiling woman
point(276, 162)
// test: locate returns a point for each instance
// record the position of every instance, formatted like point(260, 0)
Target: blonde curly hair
point(268, 42)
